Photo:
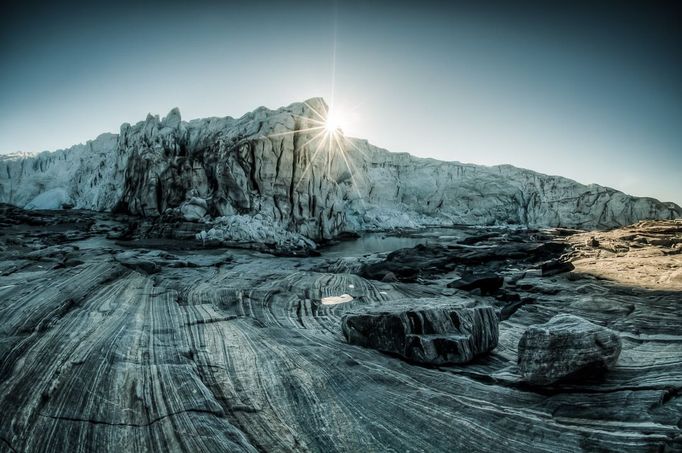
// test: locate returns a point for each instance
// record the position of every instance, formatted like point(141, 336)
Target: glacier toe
point(269, 163)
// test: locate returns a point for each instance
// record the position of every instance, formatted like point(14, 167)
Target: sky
point(593, 93)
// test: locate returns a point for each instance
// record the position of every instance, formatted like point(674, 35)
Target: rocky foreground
point(110, 341)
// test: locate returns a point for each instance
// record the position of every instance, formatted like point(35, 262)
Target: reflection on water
point(368, 243)
point(384, 242)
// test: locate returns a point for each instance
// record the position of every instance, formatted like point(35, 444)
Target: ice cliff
point(267, 163)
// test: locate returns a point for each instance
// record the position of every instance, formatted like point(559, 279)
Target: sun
point(325, 127)
point(333, 121)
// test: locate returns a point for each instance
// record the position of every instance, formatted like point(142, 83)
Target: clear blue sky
point(591, 93)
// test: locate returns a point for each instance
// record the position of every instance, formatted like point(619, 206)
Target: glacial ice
point(259, 229)
point(264, 178)
point(56, 198)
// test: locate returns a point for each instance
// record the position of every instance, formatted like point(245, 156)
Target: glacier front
point(268, 170)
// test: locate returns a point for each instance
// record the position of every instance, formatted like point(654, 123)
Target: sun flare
point(333, 121)
point(327, 136)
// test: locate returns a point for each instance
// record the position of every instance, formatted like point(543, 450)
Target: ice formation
point(264, 177)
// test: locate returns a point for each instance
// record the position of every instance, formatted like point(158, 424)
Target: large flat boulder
point(428, 331)
point(564, 347)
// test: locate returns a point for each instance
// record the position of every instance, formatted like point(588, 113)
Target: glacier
point(264, 177)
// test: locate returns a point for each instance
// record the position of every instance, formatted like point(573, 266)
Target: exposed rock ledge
point(268, 163)
point(430, 331)
point(217, 351)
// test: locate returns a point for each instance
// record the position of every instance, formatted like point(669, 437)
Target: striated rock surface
point(235, 350)
point(270, 162)
point(564, 347)
point(429, 331)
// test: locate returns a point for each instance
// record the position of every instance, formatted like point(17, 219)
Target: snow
point(335, 300)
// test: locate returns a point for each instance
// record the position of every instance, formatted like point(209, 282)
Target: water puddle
point(386, 242)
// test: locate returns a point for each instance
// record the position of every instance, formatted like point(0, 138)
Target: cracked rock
point(429, 331)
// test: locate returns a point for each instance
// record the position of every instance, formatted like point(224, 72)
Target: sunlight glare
point(332, 123)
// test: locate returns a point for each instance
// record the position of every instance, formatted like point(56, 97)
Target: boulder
point(487, 282)
point(427, 331)
point(389, 277)
point(566, 346)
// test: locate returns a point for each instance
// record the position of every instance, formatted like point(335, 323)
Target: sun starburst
point(326, 128)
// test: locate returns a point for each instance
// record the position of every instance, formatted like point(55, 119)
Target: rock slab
point(433, 332)
point(566, 346)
